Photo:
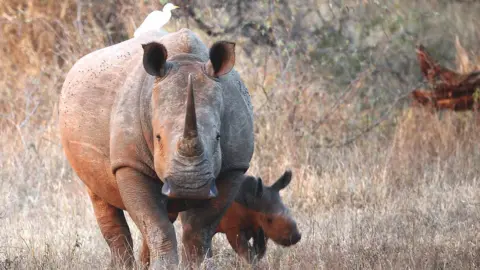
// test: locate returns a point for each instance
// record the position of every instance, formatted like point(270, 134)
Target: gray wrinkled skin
point(123, 132)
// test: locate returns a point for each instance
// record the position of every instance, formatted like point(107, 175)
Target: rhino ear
point(222, 58)
point(154, 59)
point(259, 188)
point(283, 181)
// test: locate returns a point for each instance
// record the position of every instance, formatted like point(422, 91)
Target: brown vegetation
point(378, 184)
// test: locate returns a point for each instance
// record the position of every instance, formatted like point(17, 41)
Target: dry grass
point(402, 196)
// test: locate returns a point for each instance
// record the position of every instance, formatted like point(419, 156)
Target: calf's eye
point(158, 137)
point(269, 220)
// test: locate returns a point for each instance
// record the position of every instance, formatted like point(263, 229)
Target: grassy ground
point(404, 195)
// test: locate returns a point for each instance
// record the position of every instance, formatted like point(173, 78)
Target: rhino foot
point(163, 264)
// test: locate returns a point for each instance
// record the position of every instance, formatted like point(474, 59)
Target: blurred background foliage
point(328, 71)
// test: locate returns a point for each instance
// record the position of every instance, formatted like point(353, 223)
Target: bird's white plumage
point(155, 20)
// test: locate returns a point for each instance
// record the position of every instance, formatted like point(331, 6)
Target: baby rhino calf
point(259, 213)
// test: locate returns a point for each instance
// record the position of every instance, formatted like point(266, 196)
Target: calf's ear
point(222, 58)
point(283, 181)
point(259, 188)
point(155, 59)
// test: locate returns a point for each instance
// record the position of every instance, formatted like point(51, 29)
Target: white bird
point(156, 20)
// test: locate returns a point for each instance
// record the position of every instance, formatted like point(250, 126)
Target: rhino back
point(104, 112)
point(237, 124)
point(88, 93)
point(90, 106)
point(97, 79)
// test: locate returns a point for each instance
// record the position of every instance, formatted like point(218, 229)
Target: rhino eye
point(218, 136)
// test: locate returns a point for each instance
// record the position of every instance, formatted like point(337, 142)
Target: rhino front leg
point(146, 205)
point(114, 228)
point(144, 252)
point(239, 242)
point(260, 243)
point(199, 224)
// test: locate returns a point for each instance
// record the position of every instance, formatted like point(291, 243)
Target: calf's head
point(271, 215)
point(187, 107)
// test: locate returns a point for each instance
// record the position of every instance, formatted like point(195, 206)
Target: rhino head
point(271, 215)
point(187, 106)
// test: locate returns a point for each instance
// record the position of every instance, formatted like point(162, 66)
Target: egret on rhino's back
point(156, 19)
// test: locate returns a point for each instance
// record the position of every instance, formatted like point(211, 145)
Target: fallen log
point(451, 90)
point(426, 98)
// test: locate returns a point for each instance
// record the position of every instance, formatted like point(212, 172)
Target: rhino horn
point(190, 145)
point(190, 130)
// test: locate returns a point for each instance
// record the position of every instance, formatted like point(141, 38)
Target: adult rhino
point(158, 124)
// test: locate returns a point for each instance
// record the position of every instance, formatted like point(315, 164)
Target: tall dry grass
point(402, 195)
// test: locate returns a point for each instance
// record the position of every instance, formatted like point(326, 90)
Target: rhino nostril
point(296, 238)
point(213, 190)
point(166, 189)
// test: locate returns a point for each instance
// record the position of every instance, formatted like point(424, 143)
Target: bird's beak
point(175, 7)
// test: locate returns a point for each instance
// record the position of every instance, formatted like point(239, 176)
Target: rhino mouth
point(206, 190)
point(291, 240)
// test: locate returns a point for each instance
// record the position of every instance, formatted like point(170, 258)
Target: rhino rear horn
point(222, 58)
point(155, 59)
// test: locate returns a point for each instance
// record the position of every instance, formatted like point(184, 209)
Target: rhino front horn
point(190, 130)
point(190, 145)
